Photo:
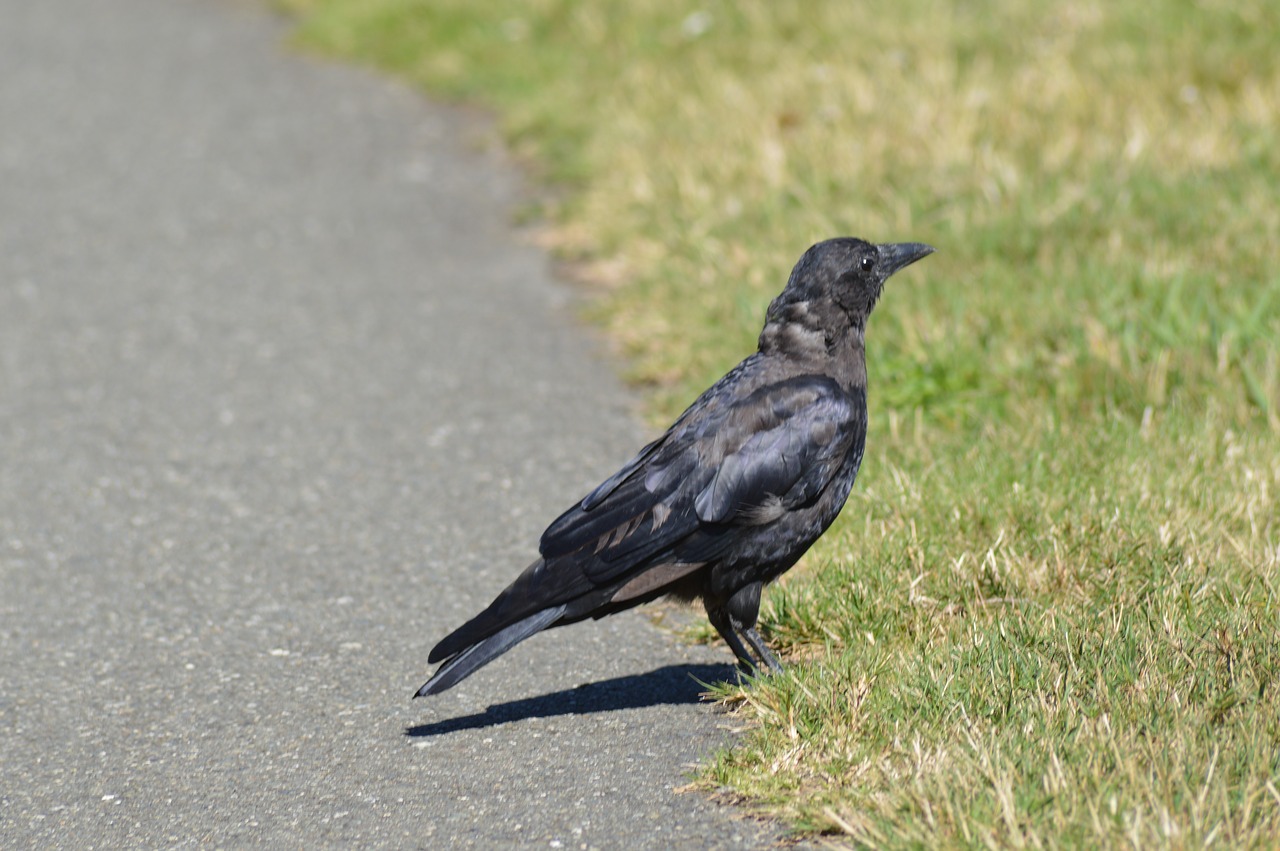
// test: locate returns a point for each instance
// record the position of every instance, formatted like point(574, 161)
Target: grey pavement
point(283, 399)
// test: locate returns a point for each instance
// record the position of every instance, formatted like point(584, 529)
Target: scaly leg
point(724, 625)
point(766, 655)
point(733, 633)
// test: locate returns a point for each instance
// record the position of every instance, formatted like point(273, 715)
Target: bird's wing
point(732, 460)
point(610, 484)
point(739, 463)
point(801, 437)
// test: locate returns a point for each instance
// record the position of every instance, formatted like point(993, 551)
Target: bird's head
point(832, 289)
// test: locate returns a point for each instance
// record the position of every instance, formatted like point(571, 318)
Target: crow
point(731, 495)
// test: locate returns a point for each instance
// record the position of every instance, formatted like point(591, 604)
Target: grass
point(1049, 614)
point(1086, 661)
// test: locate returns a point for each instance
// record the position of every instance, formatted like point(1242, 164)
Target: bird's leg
point(733, 633)
point(766, 655)
point(741, 610)
point(724, 625)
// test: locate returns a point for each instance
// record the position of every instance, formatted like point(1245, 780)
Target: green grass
point(1084, 661)
point(1048, 615)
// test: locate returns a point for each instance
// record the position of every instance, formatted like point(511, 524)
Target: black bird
point(732, 495)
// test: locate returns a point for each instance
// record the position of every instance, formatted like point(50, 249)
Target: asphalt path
point(283, 399)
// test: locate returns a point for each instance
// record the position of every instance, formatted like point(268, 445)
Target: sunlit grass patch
point(1076, 645)
point(1150, 717)
point(1150, 720)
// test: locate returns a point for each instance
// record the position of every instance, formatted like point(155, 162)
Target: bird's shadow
point(673, 684)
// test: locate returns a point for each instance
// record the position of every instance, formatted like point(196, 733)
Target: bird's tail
point(463, 664)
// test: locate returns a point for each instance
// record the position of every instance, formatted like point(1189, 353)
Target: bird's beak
point(901, 254)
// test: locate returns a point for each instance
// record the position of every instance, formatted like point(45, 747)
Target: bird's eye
point(868, 263)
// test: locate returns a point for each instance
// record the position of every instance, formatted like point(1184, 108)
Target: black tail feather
point(466, 662)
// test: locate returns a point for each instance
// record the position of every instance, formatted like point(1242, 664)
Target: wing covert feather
point(739, 463)
point(781, 466)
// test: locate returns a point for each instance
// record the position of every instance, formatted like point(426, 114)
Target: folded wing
point(682, 501)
